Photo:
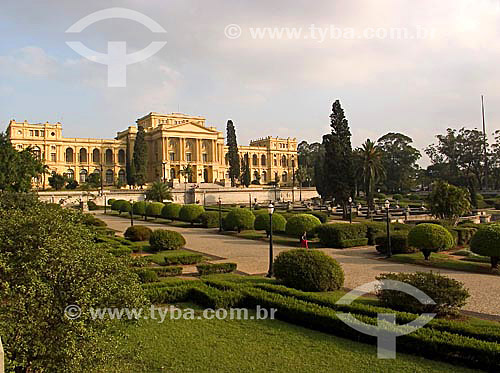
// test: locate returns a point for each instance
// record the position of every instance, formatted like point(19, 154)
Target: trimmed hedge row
point(342, 235)
point(212, 268)
point(399, 243)
point(239, 219)
point(163, 239)
point(167, 271)
point(171, 211)
point(209, 219)
point(297, 224)
point(138, 233)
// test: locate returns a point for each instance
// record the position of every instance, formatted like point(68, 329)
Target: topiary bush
point(448, 294)
point(146, 275)
point(342, 235)
point(140, 208)
point(209, 219)
point(213, 268)
point(430, 238)
point(171, 211)
point(92, 206)
point(300, 223)
point(308, 270)
point(138, 233)
point(154, 209)
point(399, 243)
point(117, 204)
point(486, 242)
point(110, 201)
point(464, 235)
point(191, 213)
point(163, 239)
point(322, 216)
point(239, 219)
point(125, 206)
point(262, 222)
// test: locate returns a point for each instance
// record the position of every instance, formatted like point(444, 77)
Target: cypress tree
point(140, 157)
point(337, 170)
point(129, 169)
point(245, 175)
point(233, 156)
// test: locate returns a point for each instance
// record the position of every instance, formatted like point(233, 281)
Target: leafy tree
point(447, 201)
point(399, 160)
point(233, 156)
point(301, 176)
point(57, 181)
point(158, 191)
point(337, 170)
point(245, 175)
point(71, 184)
point(187, 172)
point(140, 158)
point(370, 158)
point(129, 169)
point(17, 168)
point(308, 155)
point(94, 180)
point(61, 266)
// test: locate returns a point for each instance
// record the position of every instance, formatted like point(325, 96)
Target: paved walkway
point(252, 257)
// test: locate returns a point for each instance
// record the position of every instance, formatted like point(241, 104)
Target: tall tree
point(399, 160)
point(337, 169)
point(234, 158)
point(448, 201)
point(140, 157)
point(129, 168)
point(245, 175)
point(308, 155)
point(158, 191)
point(372, 170)
point(17, 168)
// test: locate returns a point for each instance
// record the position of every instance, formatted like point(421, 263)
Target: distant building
point(173, 141)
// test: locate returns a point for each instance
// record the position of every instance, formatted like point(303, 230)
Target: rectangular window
point(53, 157)
point(172, 157)
point(205, 157)
point(36, 133)
point(31, 133)
point(188, 157)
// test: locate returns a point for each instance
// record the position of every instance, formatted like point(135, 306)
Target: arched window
point(262, 160)
point(109, 156)
point(283, 161)
point(83, 155)
point(256, 175)
point(96, 156)
point(37, 152)
point(109, 177)
point(172, 173)
point(255, 160)
point(121, 156)
point(70, 174)
point(264, 176)
point(121, 176)
point(69, 155)
point(284, 177)
point(83, 176)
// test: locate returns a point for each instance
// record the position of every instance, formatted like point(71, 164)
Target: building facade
point(173, 142)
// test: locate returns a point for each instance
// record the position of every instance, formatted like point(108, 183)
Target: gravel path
point(360, 266)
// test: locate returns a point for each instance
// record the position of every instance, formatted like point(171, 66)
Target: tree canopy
point(140, 158)
point(234, 158)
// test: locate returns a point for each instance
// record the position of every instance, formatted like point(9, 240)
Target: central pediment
point(191, 128)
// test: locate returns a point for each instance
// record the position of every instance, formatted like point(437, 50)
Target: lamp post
point(389, 250)
point(131, 212)
point(163, 171)
point(250, 200)
point(102, 180)
point(270, 210)
point(350, 210)
point(105, 203)
point(220, 214)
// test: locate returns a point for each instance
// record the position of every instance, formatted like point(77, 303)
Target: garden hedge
point(486, 242)
point(308, 270)
point(92, 206)
point(430, 238)
point(342, 235)
point(171, 211)
point(191, 213)
point(322, 216)
point(209, 219)
point(125, 206)
point(167, 271)
point(399, 243)
point(154, 209)
point(262, 222)
point(212, 268)
point(117, 204)
point(146, 275)
point(140, 208)
point(163, 239)
point(138, 233)
point(297, 224)
point(239, 219)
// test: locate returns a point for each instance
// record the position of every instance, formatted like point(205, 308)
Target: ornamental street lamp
point(350, 210)
point(105, 203)
point(220, 214)
point(389, 250)
point(131, 212)
point(270, 210)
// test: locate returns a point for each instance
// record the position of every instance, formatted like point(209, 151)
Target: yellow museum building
point(173, 141)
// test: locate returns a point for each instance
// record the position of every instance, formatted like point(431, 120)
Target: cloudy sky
point(420, 83)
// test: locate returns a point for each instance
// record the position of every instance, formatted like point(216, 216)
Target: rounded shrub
point(486, 242)
point(125, 206)
point(239, 219)
point(163, 239)
point(397, 197)
point(110, 201)
point(209, 219)
point(430, 238)
point(300, 223)
point(322, 216)
point(308, 270)
point(191, 213)
point(140, 208)
point(171, 211)
point(117, 204)
point(262, 222)
point(138, 233)
point(92, 206)
point(146, 275)
point(154, 209)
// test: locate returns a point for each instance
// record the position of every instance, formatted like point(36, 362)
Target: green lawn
point(252, 345)
point(159, 258)
point(439, 260)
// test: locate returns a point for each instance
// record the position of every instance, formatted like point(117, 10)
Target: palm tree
point(371, 169)
point(187, 172)
point(158, 191)
point(301, 176)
